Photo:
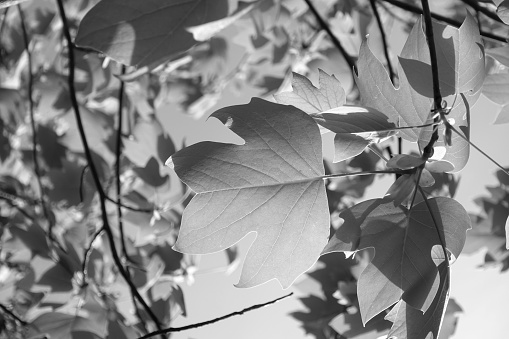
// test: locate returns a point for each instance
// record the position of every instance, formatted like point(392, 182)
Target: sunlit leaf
point(501, 54)
point(143, 33)
point(503, 11)
point(405, 244)
point(310, 99)
point(271, 185)
point(403, 106)
point(496, 88)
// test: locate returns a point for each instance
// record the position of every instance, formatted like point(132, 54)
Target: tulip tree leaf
point(272, 185)
point(310, 99)
point(143, 33)
point(403, 106)
point(411, 323)
point(407, 249)
point(460, 56)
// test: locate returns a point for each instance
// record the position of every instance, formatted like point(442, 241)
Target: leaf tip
point(170, 163)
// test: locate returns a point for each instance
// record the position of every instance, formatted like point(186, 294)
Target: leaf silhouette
point(271, 185)
point(148, 32)
point(407, 249)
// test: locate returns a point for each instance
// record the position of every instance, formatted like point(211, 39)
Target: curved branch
point(413, 9)
point(349, 60)
point(208, 322)
point(93, 169)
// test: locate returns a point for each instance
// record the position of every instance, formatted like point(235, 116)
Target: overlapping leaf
point(407, 249)
point(271, 185)
point(411, 323)
point(142, 33)
point(460, 58)
point(355, 127)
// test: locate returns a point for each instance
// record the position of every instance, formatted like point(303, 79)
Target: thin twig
point(12, 315)
point(384, 38)
point(413, 9)
point(342, 175)
point(37, 167)
point(93, 169)
point(349, 60)
point(14, 205)
point(88, 252)
point(448, 125)
point(118, 152)
point(478, 8)
point(437, 97)
point(208, 322)
point(130, 208)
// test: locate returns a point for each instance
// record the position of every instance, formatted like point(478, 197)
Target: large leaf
point(407, 249)
point(496, 88)
point(142, 33)
point(271, 185)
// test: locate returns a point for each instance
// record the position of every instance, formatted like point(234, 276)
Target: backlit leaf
point(348, 145)
point(496, 88)
point(503, 115)
point(503, 11)
point(403, 106)
point(271, 185)
point(142, 33)
point(411, 323)
point(501, 54)
point(460, 56)
point(405, 244)
point(310, 99)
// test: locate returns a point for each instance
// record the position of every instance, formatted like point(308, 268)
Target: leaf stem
point(413, 9)
point(208, 322)
point(93, 169)
point(342, 175)
point(130, 208)
point(448, 125)
point(349, 60)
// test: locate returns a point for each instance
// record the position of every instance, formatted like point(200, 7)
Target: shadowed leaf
point(405, 249)
point(143, 33)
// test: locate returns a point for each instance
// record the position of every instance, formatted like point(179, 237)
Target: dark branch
point(93, 169)
point(118, 152)
point(349, 60)
point(208, 322)
point(475, 5)
point(413, 9)
point(12, 315)
point(384, 38)
point(437, 97)
point(131, 208)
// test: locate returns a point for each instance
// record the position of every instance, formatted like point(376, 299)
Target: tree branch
point(349, 60)
point(12, 315)
point(208, 322)
point(413, 9)
point(93, 169)
point(437, 97)
point(475, 5)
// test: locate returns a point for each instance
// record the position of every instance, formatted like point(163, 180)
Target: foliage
point(98, 235)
